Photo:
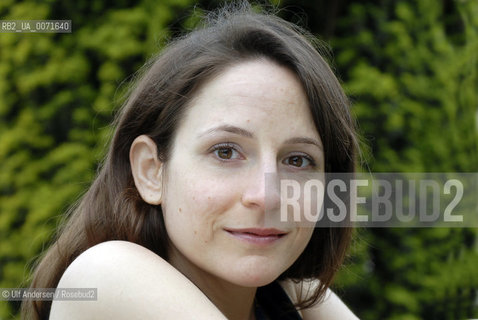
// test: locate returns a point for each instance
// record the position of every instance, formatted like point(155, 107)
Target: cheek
point(304, 234)
point(194, 207)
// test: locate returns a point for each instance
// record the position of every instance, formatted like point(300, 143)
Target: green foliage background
point(409, 66)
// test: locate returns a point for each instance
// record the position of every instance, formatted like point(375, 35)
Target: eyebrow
point(230, 129)
point(248, 134)
point(304, 140)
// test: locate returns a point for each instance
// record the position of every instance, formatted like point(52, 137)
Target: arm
point(133, 283)
point(331, 308)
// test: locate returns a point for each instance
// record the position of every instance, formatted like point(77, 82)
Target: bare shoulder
point(132, 283)
point(120, 254)
point(110, 251)
point(330, 308)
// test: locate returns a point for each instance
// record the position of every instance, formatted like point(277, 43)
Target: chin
point(253, 281)
point(255, 275)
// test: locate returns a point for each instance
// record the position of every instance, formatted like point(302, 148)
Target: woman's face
point(250, 120)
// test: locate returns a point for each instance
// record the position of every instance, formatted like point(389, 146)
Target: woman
point(173, 226)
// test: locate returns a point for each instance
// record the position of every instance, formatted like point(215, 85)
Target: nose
point(261, 188)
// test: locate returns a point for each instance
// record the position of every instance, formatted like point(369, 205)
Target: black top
point(272, 302)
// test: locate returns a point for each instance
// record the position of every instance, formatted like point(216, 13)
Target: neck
point(235, 302)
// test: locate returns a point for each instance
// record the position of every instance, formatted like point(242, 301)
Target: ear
point(146, 169)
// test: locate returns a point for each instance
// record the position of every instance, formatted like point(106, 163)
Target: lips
point(258, 231)
point(258, 236)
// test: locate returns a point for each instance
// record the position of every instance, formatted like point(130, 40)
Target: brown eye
point(299, 161)
point(224, 153)
point(295, 161)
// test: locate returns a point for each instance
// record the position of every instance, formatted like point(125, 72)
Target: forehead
point(259, 79)
point(257, 92)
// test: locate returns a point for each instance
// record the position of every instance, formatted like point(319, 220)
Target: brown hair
point(113, 210)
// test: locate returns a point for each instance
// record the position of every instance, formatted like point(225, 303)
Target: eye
point(226, 152)
point(299, 161)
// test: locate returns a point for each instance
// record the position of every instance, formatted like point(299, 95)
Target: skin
point(250, 120)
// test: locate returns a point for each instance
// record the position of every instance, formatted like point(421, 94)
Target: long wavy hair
point(112, 208)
